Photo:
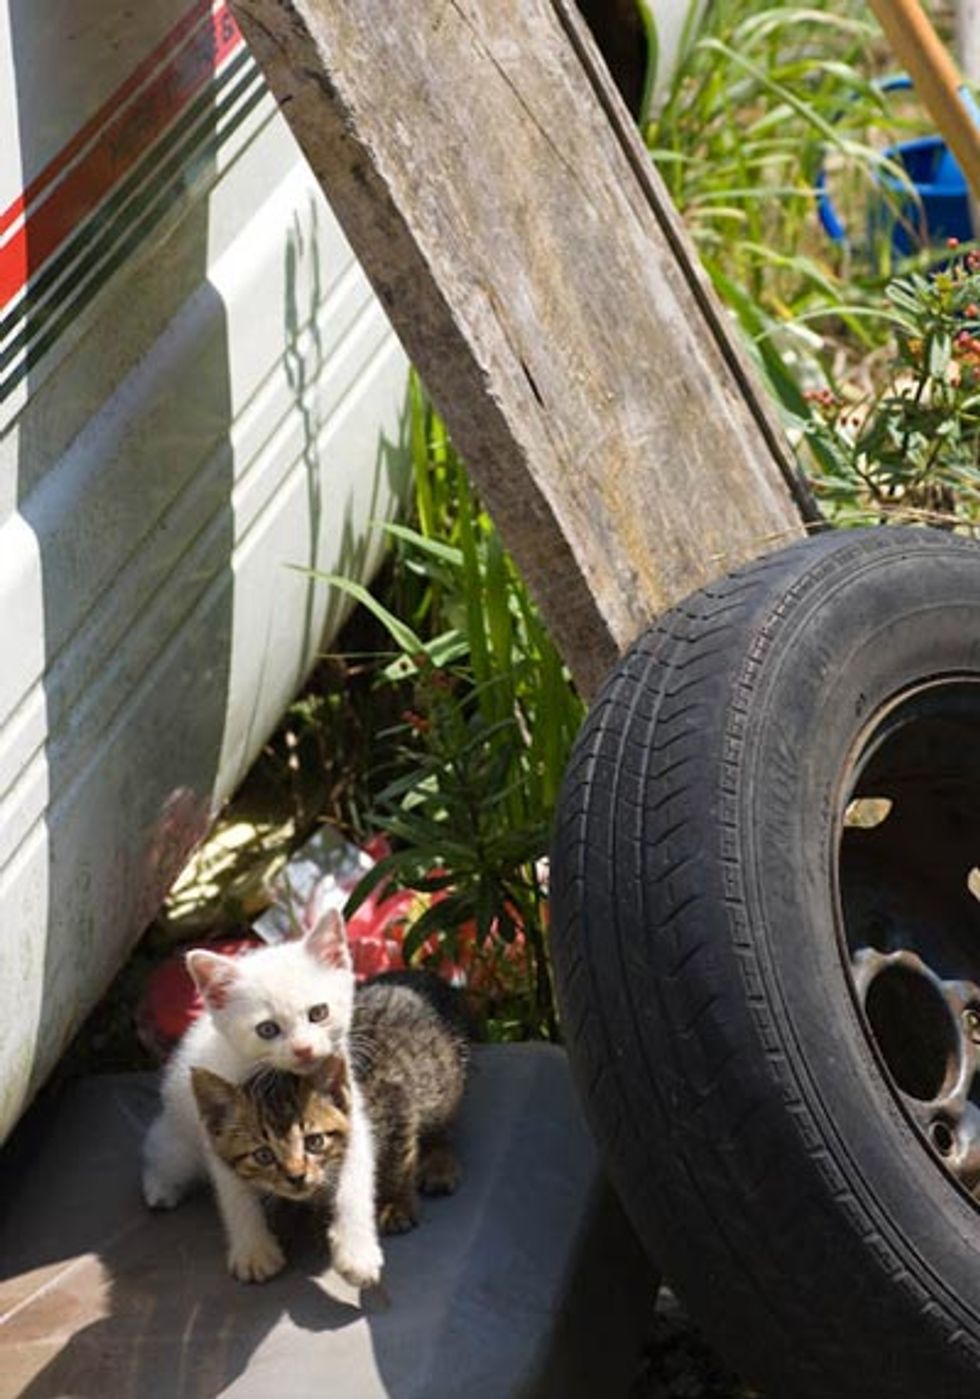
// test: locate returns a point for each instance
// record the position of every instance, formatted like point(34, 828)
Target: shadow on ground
point(526, 1282)
point(118, 1301)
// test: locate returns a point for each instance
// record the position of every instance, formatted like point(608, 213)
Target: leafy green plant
point(873, 373)
point(908, 448)
point(489, 718)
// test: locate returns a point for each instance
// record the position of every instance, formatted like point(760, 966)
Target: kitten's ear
point(215, 1098)
point(333, 1082)
point(213, 975)
point(327, 941)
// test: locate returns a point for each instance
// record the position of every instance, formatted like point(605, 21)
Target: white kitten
point(288, 1007)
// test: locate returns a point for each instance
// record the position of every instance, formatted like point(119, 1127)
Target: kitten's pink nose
point(303, 1053)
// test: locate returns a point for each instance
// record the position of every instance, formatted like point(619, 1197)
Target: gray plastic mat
point(526, 1282)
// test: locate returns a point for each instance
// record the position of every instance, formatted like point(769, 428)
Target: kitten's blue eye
point(315, 1141)
point(267, 1030)
point(319, 1012)
point(264, 1156)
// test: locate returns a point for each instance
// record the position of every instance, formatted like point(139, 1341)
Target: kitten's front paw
point(358, 1260)
point(397, 1217)
point(260, 1258)
point(438, 1171)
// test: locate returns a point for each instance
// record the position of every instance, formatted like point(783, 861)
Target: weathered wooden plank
point(488, 177)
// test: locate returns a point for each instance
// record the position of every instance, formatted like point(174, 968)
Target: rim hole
point(941, 1136)
point(867, 812)
point(915, 1031)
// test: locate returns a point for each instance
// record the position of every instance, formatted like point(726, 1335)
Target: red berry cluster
point(971, 260)
point(823, 398)
point(968, 348)
point(417, 722)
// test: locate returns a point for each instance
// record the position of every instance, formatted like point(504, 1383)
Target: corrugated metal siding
point(224, 401)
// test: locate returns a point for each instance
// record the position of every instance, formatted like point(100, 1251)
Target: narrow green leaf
point(398, 630)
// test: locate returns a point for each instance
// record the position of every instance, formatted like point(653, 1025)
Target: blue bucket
point(938, 210)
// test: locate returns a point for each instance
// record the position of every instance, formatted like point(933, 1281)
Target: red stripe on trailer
point(198, 45)
point(39, 184)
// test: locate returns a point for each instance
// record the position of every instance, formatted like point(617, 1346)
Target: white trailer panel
point(197, 391)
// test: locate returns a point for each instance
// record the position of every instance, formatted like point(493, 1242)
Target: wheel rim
point(908, 890)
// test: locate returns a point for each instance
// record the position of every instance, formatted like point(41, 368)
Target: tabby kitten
point(408, 1050)
point(282, 1134)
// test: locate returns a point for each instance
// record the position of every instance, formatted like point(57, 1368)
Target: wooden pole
point(968, 55)
point(493, 186)
point(918, 49)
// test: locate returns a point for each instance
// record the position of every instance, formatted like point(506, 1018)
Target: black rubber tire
point(744, 1115)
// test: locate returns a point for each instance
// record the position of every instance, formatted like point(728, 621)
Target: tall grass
point(490, 716)
point(759, 101)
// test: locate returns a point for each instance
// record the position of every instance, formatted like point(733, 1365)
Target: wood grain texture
point(488, 178)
